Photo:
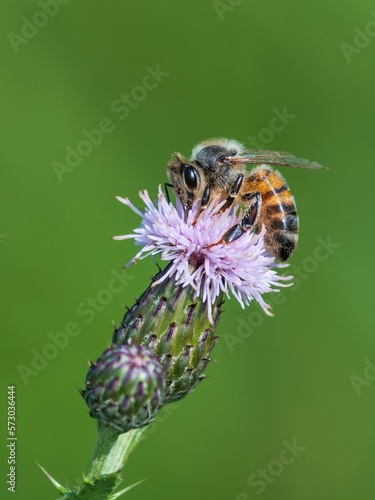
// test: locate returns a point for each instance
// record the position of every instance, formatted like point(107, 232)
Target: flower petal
point(200, 258)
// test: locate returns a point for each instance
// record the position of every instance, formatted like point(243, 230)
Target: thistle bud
point(173, 323)
point(125, 388)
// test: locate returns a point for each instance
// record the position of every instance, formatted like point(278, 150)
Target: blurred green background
point(224, 69)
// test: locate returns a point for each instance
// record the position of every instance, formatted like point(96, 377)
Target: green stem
point(105, 472)
point(112, 451)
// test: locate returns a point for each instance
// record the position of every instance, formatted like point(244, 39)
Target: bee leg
point(166, 186)
point(233, 193)
point(204, 202)
point(248, 220)
point(205, 198)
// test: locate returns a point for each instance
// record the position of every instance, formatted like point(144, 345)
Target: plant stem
point(112, 450)
point(105, 472)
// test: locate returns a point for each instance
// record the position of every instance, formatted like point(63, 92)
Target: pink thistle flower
point(199, 256)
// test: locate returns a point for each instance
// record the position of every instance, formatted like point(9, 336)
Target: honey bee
point(218, 167)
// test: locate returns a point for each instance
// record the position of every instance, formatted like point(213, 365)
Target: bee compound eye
point(190, 176)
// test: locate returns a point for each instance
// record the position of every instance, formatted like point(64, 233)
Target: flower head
point(199, 256)
point(125, 388)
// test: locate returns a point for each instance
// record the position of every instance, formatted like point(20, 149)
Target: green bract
point(175, 325)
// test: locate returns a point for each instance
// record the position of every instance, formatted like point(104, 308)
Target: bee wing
point(279, 158)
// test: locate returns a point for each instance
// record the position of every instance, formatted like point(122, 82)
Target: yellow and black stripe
point(277, 212)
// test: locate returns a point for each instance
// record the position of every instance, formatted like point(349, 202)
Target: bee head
point(215, 154)
point(185, 178)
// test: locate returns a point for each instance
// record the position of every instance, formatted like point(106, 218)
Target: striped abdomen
point(277, 213)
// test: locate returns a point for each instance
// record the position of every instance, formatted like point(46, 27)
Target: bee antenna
point(166, 186)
